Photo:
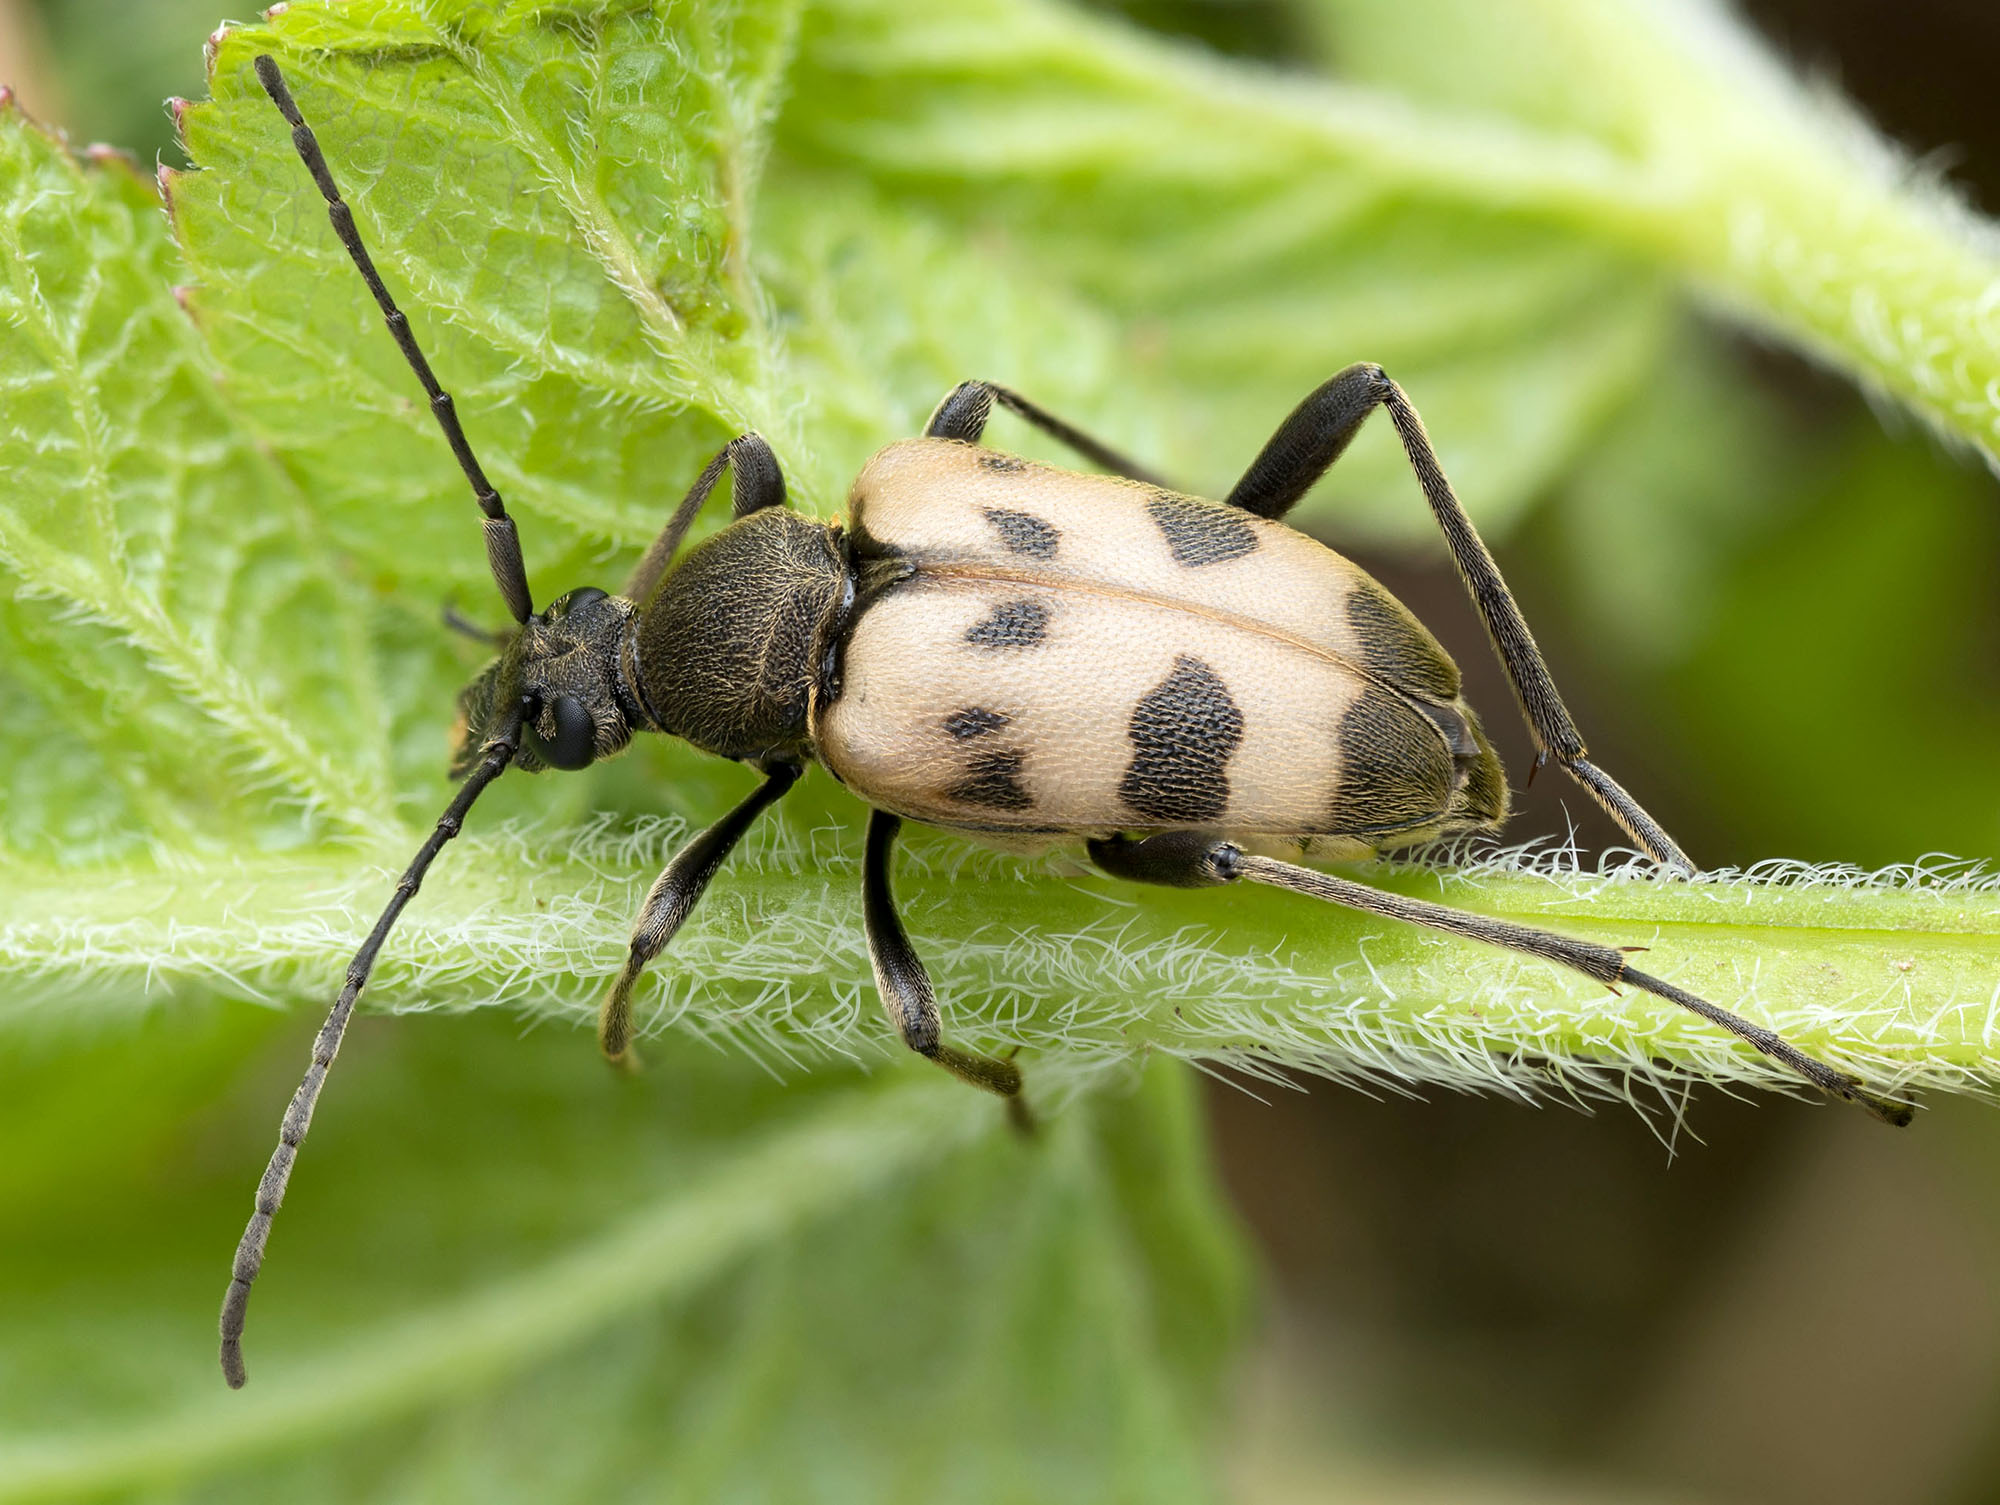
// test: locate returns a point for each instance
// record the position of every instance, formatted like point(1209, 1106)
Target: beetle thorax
point(728, 651)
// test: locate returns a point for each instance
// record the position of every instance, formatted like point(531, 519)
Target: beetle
point(1196, 693)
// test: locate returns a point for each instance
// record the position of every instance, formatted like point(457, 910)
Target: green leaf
point(154, 556)
point(1772, 199)
point(1251, 231)
point(1495, 202)
point(579, 270)
point(501, 1280)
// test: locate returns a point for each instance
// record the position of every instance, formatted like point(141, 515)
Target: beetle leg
point(1311, 439)
point(1188, 860)
point(756, 483)
point(1307, 443)
point(1173, 859)
point(672, 899)
point(905, 985)
point(965, 409)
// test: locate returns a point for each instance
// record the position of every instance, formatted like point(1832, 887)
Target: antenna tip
point(232, 1364)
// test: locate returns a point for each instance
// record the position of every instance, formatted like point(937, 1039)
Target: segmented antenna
point(499, 752)
point(503, 545)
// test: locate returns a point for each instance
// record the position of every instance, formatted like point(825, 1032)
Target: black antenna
point(503, 545)
point(498, 753)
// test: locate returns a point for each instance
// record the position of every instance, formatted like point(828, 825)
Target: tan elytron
point(1047, 651)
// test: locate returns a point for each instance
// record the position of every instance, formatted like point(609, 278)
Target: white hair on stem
point(1892, 973)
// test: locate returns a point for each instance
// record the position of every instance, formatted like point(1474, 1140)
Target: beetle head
point(563, 664)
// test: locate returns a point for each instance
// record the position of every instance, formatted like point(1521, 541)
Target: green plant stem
point(1896, 978)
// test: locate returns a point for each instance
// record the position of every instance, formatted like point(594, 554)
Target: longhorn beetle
point(1024, 654)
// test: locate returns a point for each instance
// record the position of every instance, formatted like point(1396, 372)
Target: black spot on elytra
point(974, 721)
point(992, 459)
point(1185, 730)
point(1395, 775)
point(1011, 624)
point(1201, 533)
point(1024, 533)
point(993, 779)
point(1393, 645)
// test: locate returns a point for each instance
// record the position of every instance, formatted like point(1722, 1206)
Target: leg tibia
point(1184, 859)
point(905, 985)
point(1312, 438)
point(672, 899)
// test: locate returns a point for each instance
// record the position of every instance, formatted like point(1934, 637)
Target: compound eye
point(582, 596)
point(575, 741)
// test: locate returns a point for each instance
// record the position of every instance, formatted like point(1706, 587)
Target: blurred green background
point(1472, 1299)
